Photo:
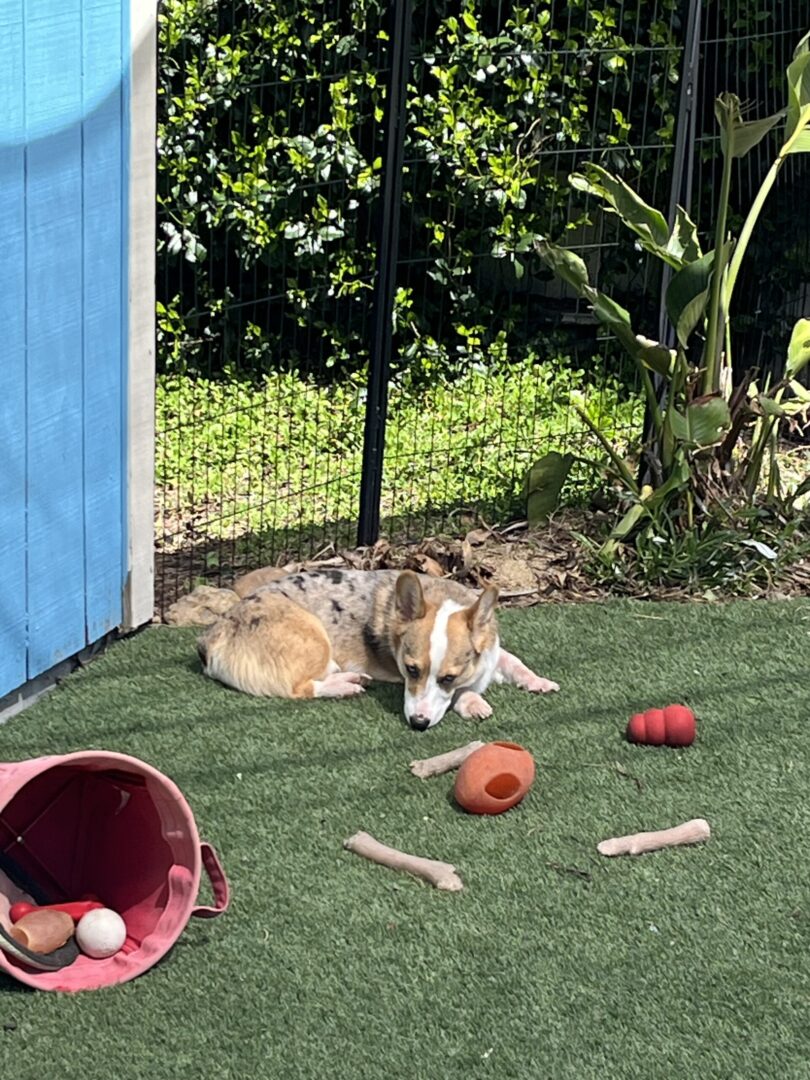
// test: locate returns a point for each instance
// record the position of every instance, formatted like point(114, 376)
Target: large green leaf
point(676, 248)
point(798, 80)
point(785, 407)
point(687, 296)
point(649, 223)
point(738, 136)
point(798, 355)
point(683, 242)
point(571, 269)
point(629, 521)
point(654, 355)
point(621, 531)
point(614, 317)
point(651, 354)
point(543, 484)
point(801, 143)
point(564, 263)
point(803, 47)
point(770, 406)
point(801, 392)
point(704, 423)
point(677, 480)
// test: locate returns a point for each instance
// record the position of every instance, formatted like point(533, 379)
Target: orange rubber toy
point(494, 778)
point(672, 726)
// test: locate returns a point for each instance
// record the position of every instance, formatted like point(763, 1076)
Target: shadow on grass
point(387, 695)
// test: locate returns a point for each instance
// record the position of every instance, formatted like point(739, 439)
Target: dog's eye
point(412, 670)
point(447, 680)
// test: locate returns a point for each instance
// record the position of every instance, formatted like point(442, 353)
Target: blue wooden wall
point(63, 317)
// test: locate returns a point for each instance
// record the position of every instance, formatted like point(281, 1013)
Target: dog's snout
point(419, 723)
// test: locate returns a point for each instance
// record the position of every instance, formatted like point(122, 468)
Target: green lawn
point(691, 963)
point(284, 455)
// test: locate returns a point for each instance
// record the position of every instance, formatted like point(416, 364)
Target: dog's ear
point(480, 616)
point(410, 600)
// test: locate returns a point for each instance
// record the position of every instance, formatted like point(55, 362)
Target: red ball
point(672, 726)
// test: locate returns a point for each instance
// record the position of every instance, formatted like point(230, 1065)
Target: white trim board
point(140, 420)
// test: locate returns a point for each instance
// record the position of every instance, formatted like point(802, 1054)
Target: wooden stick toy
point(691, 832)
point(442, 763)
point(440, 874)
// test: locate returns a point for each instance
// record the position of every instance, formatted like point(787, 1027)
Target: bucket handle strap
point(219, 884)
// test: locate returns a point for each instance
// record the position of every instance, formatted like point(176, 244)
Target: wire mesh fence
point(273, 185)
point(265, 236)
point(747, 50)
point(477, 294)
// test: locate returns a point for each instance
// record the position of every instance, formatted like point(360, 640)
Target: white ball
point(101, 933)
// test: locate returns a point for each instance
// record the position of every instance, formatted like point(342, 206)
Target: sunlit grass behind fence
point(235, 458)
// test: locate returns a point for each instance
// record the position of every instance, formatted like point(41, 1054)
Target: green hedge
point(270, 159)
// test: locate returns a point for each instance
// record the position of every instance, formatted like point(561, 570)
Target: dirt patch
point(529, 567)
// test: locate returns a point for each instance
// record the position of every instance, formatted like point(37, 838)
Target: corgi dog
point(327, 633)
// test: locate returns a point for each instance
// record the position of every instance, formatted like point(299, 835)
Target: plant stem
point(727, 357)
point(622, 468)
point(713, 330)
point(774, 487)
point(756, 207)
point(652, 398)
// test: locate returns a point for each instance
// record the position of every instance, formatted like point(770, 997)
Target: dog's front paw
point(472, 706)
point(536, 685)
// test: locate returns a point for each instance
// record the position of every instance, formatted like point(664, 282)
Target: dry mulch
point(529, 567)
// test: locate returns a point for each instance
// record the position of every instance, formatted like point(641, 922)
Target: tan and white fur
point(326, 633)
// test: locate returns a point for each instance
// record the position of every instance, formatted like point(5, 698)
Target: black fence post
point(683, 165)
point(399, 31)
point(680, 192)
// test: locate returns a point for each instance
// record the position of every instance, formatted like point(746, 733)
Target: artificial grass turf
point(683, 963)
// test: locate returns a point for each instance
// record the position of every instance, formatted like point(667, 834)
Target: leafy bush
point(270, 158)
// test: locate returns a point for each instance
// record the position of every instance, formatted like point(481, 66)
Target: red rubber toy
point(494, 778)
point(672, 726)
point(75, 909)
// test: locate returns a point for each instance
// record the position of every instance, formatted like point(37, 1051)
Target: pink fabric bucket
point(111, 825)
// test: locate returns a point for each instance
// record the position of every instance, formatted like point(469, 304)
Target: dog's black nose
point(419, 723)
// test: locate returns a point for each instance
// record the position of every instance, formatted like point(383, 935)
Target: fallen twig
point(620, 769)
point(573, 871)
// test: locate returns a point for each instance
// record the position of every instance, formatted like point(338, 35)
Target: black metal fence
point(355, 336)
